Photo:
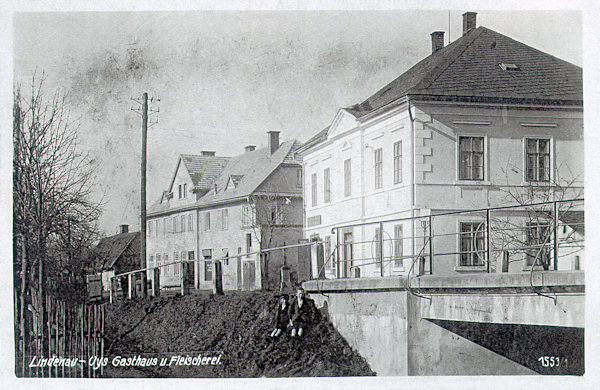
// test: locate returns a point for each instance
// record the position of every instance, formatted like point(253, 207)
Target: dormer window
point(184, 190)
point(509, 67)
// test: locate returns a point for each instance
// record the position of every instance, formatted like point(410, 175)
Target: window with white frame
point(398, 245)
point(184, 190)
point(208, 266)
point(471, 158)
point(299, 177)
point(538, 243)
point(190, 222)
point(207, 221)
point(326, 186)
point(182, 223)
point(276, 214)
point(313, 188)
point(329, 259)
point(347, 177)
point(472, 244)
point(378, 163)
point(225, 219)
point(397, 162)
point(247, 215)
point(537, 159)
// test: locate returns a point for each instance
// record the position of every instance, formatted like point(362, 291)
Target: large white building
point(483, 122)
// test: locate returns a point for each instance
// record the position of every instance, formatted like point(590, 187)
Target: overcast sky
point(226, 78)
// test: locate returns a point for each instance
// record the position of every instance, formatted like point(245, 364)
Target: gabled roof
point(203, 169)
point(110, 249)
point(470, 68)
point(252, 169)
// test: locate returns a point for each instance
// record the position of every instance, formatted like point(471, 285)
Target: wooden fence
point(72, 332)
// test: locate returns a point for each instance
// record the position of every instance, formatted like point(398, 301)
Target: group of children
point(295, 314)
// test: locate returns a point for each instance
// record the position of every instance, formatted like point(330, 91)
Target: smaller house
point(117, 254)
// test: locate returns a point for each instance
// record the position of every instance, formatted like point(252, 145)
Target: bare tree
point(268, 216)
point(528, 231)
point(52, 186)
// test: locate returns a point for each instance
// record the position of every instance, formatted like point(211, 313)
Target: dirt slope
point(235, 326)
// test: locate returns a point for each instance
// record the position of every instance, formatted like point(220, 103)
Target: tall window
point(538, 243)
point(397, 162)
point(150, 228)
point(164, 225)
point(472, 246)
point(398, 247)
point(248, 242)
point(208, 266)
point(190, 223)
point(329, 259)
point(224, 219)
point(471, 158)
point(166, 261)
point(276, 216)
point(347, 177)
point(378, 246)
point(326, 186)
point(174, 225)
point(313, 188)
point(378, 168)
point(538, 160)
point(299, 177)
point(184, 190)
point(179, 191)
point(247, 215)
point(207, 221)
point(182, 223)
point(176, 263)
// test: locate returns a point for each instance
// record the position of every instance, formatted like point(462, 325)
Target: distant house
point(218, 208)
point(118, 254)
point(479, 123)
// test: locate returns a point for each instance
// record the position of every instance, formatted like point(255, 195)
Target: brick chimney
point(208, 153)
point(123, 228)
point(273, 140)
point(437, 41)
point(250, 148)
point(469, 21)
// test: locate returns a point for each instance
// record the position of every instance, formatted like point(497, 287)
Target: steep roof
point(470, 68)
point(251, 170)
point(203, 170)
point(110, 249)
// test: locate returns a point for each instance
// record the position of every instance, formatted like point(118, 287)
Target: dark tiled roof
point(315, 139)
point(111, 248)
point(575, 219)
point(252, 168)
point(469, 68)
point(204, 170)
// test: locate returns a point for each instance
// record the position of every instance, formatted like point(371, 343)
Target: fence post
point(337, 251)
point(380, 244)
point(487, 239)
point(181, 278)
point(129, 286)
point(430, 244)
point(555, 223)
point(505, 260)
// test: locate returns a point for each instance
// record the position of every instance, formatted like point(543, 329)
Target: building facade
point(227, 209)
point(483, 122)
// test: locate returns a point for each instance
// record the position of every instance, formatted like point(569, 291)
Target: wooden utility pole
point(143, 183)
